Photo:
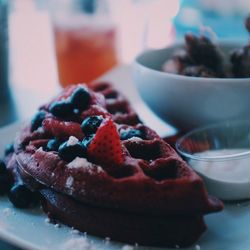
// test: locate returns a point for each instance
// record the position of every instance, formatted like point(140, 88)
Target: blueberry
point(37, 120)
point(86, 141)
point(21, 196)
point(9, 149)
point(3, 169)
point(80, 98)
point(91, 124)
point(5, 184)
point(127, 134)
point(61, 109)
point(70, 152)
point(53, 145)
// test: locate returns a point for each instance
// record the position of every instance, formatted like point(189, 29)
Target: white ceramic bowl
point(220, 154)
point(189, 102)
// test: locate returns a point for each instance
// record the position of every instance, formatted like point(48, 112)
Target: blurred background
point(48, 44)
point(44, 43)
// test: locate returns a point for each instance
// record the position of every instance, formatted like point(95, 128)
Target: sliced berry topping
point(21, 196)
point(3, 169)
point(5, 184)
point(127, 134)
point(90, 125)
point(69, 152)
point(105, 148)
point(37, 120)
point(80, 98)
point(53, 145)
point(62, 129)
point(61, 109)
point(9, 149)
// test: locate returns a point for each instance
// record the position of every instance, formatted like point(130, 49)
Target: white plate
point(28, 229)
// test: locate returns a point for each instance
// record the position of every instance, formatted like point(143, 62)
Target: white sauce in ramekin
point(230, 170)
point(226, 172)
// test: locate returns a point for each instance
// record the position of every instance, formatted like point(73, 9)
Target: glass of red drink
point(85, 40)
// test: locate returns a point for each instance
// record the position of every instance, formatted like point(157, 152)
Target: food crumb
point(72, 141)
point(197, 247)
point(74, 231)
point(69, 182)
point(80, 243)
point(57, 225)
point(47, 220)
point(127, 247)
point(107, 240)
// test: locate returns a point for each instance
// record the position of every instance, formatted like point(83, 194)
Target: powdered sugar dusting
point(84, 164)
point(69, 182)
point(99, 170)
point(74, 231)
point(127, 247)
point(40, 130)
point(80, 163)
point(72, 141)
point(135, 139)
point(40, 149)
point(47, 220)
point(80, 243)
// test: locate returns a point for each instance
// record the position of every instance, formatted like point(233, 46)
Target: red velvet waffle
point(146, 195)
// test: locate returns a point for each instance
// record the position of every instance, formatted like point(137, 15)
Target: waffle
point(116, 104)
point(153, 197)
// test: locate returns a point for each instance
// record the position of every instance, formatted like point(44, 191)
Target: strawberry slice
point(62, 129)
point(106, 148)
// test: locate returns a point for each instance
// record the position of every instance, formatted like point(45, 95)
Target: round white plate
point(28, 228)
